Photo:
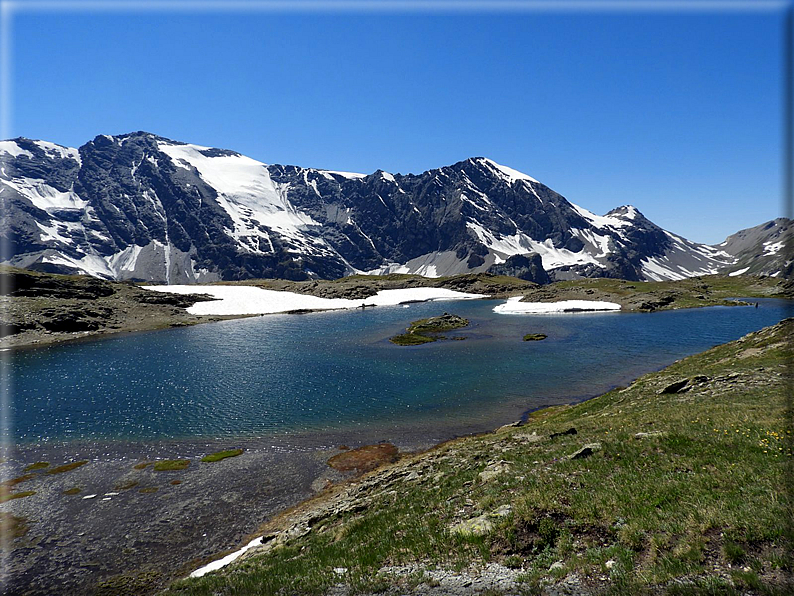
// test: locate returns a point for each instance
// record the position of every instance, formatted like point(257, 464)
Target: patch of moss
point(39, 465)
point(176, 482)
point(411, 339)
point(143, 465)
point(535, 336)
point(126, 485)
point(7, 496)
point(67, 467)
point(213, 457)
point(73, 491)
point(168, 465)
point(148, 489)
point(17, 480)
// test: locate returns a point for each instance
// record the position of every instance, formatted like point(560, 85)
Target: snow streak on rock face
point(138, 206)
point(762, 250)
point(250, 198)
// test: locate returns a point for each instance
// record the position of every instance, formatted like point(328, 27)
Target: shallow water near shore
point(288, 376)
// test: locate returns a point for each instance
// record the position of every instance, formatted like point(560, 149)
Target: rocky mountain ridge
point(143, 207)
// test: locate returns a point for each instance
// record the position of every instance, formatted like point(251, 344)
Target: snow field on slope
point(44, 196)
point(513, 306)
point(14, 150)
point(520, 243)
point(215, 565)
point(250, 300)
point(602, 221)
point(509, 173)
point(248, 195)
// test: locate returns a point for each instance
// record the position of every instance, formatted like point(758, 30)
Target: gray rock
point(502, 511)
point(649, 435)
point(677, 387)
point(475, 526)
point(493, 470)
point(586, 451)
point(570, 431)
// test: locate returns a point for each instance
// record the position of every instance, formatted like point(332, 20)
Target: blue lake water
point(283, 374)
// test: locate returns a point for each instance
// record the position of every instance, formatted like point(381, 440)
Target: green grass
point(709, 290)
point(67, 467)
point(702, 488)
point(75, 490)
point(168, 465)
point(213, 457)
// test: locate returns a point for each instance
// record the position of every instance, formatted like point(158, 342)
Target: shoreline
point(476, 487)
point(55, 339)
point(190, 518)
point(215, 509)
point(117, 308)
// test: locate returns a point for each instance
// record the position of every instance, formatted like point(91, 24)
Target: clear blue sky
point(678, 114)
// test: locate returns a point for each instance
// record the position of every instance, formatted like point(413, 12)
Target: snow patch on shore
point(513, 306)
point(215, 565)
point(738, 272)
point(250, 300)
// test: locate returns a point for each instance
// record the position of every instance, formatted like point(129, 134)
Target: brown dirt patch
point(364, 459)
point(12, 526)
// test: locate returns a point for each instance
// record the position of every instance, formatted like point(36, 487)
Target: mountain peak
point(626, 212)
point(505, 172)
point(141, 206)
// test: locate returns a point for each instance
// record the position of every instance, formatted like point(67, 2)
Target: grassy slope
point(69, 307)
point(699, 498)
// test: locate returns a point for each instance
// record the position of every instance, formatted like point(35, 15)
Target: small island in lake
point(535, 336)
point(426, 330)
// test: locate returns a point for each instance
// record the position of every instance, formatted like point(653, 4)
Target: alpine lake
point(112, 487)
point(336, 373)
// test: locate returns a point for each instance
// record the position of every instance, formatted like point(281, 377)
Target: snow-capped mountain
point(762, 250)
point(139, 206)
